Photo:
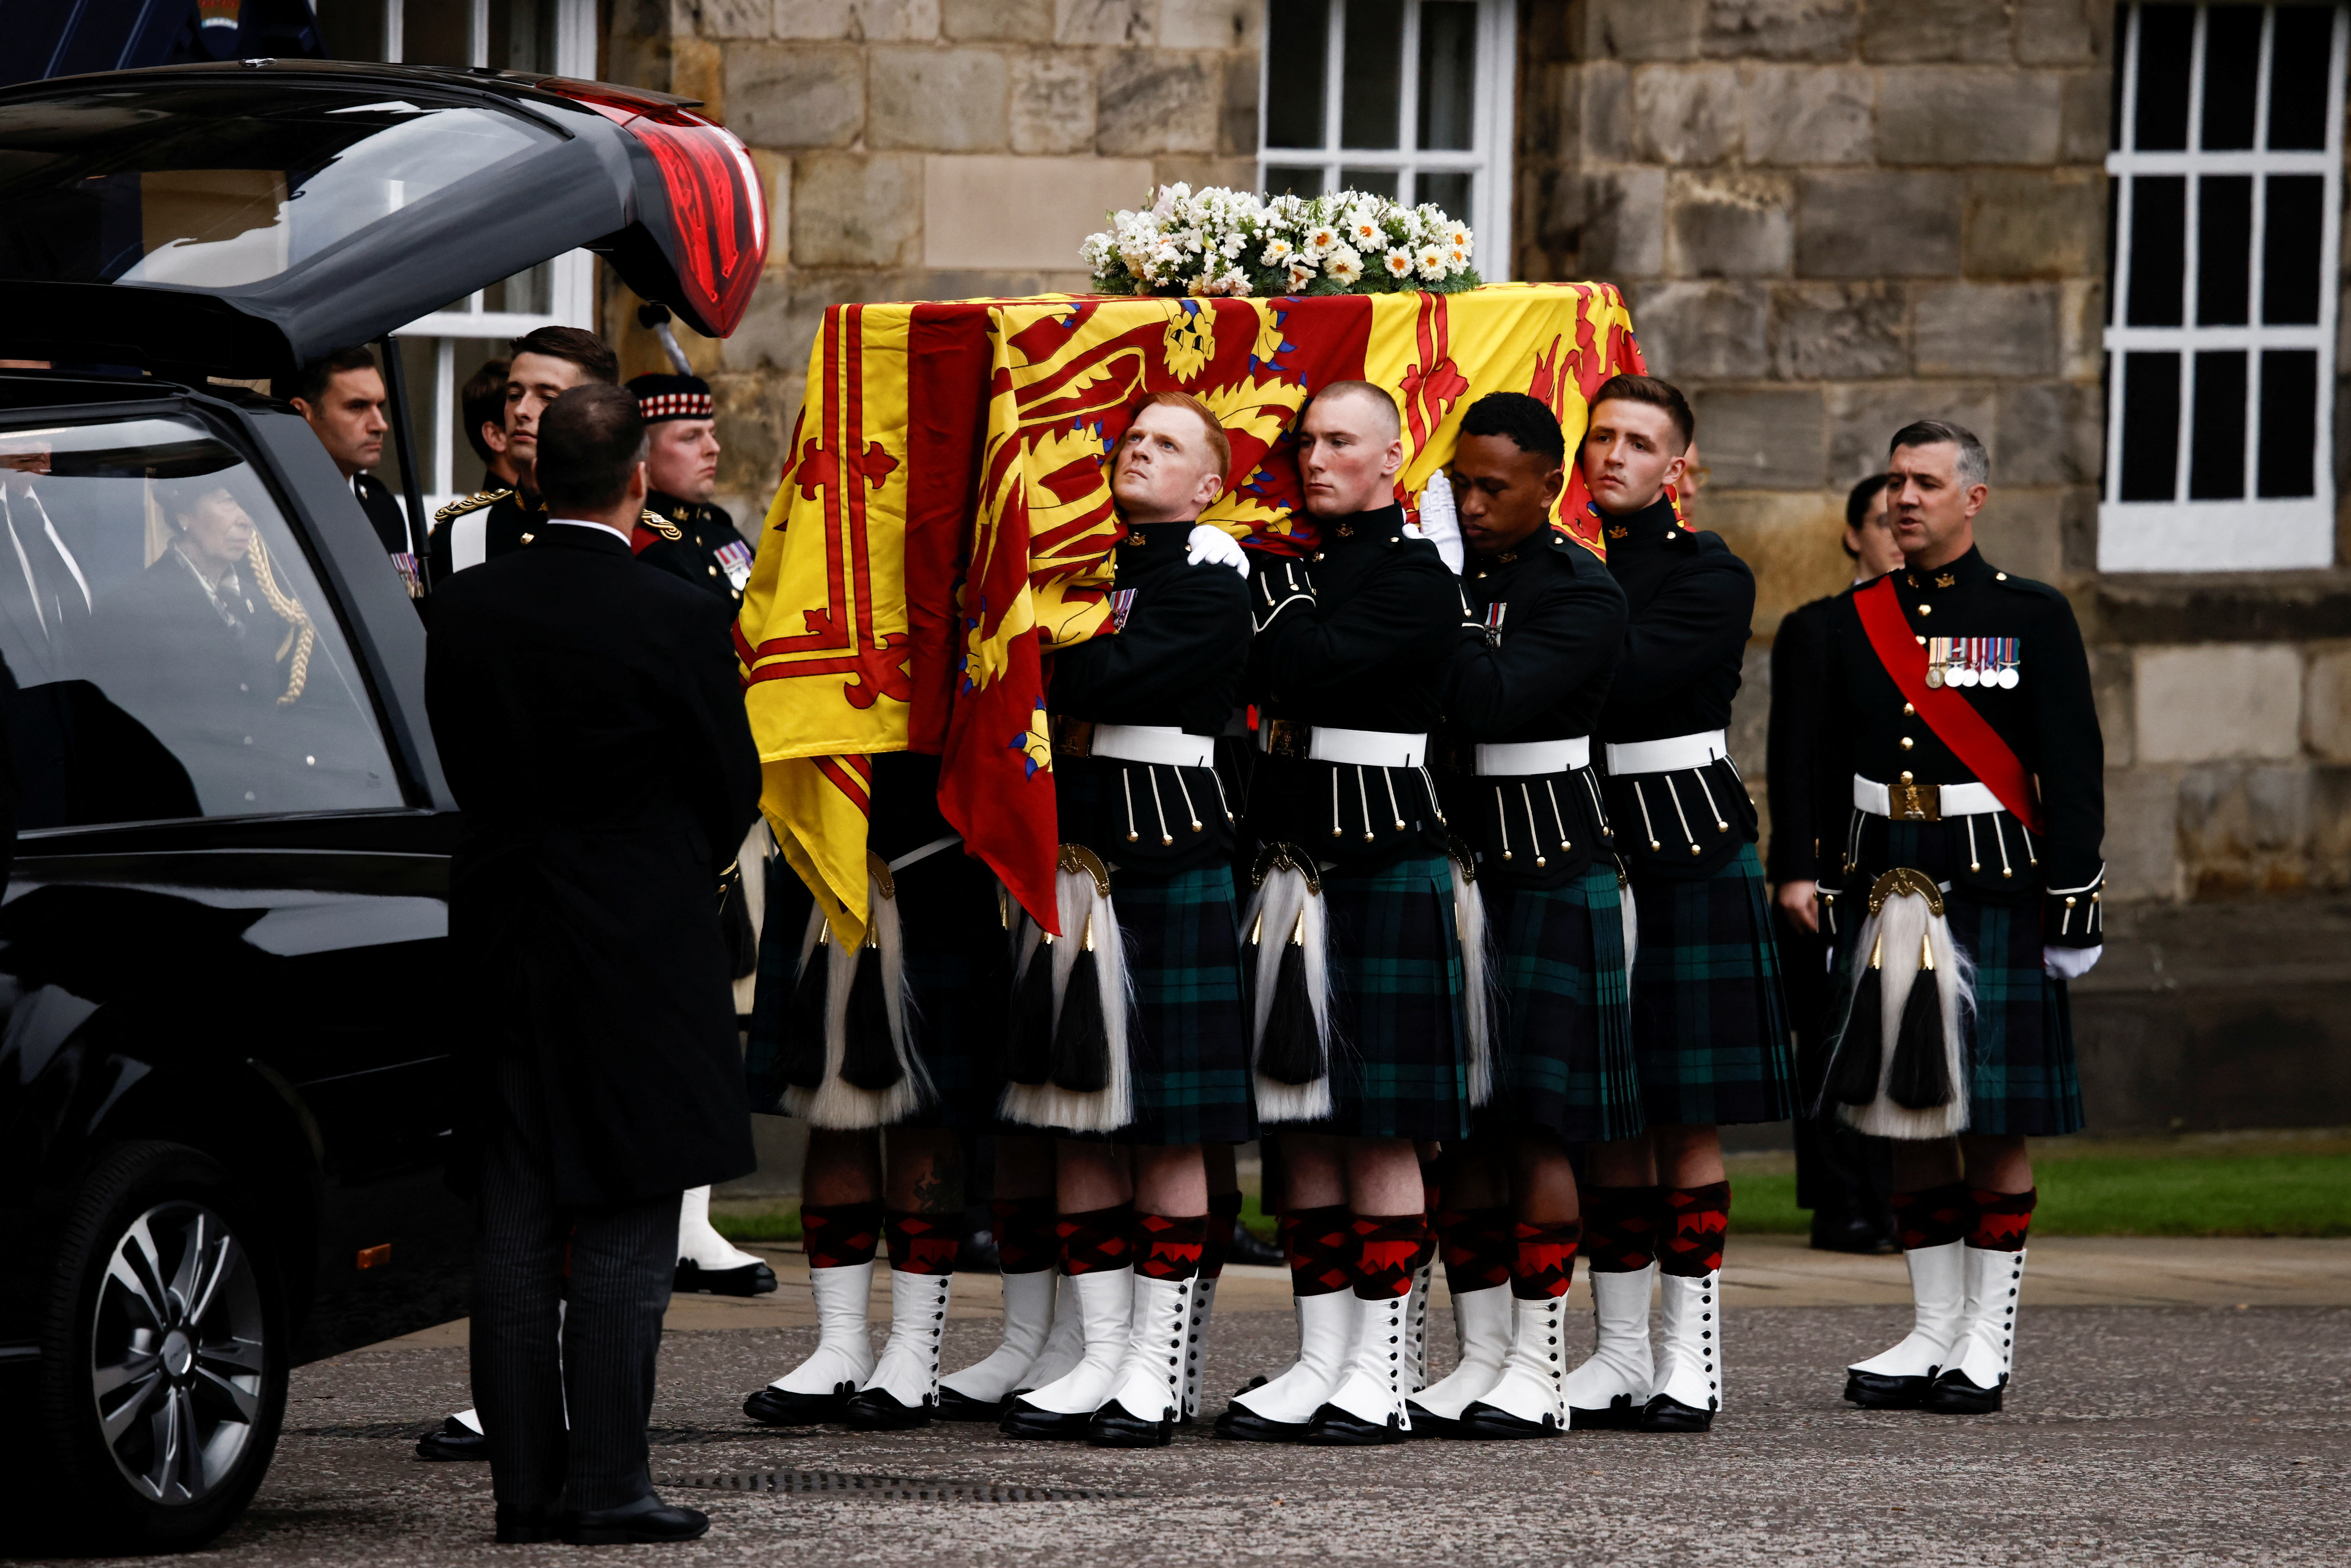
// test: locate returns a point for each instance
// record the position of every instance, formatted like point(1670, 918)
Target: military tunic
point(696, 542)
point(486, 524)
point(390, 517)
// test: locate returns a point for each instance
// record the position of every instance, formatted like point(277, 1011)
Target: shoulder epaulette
point(649, 518)
point(2009, 579)
point(473, 503)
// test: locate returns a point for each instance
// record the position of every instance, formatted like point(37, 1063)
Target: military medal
point(1938, 653)
point(2006, 660)
point(1494, 624)
point(1120, 603)
point(735, 560)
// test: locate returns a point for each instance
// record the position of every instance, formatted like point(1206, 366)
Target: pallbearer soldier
point(682, 532)
point(1546, 622)
point(1128, 1037)
point(547, 362)
point(1360, 1044)
point(1709, 1030)
point(1965, 894)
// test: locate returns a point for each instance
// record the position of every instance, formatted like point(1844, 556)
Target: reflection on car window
point(199, 185)
point(171, 654)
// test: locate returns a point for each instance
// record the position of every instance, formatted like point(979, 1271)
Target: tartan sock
point(1691, 1222)
point(1545, 1260)
point(1933, 1215)
point(1475, 1246)
point(2002, 1219)
point(1095, 1240)
point(921, 1244)
point(1620, 1229)
point(1394, 1248)
point(1224, 1212)
point(840, 1235)
point(1321, 1246)
point(1168, 1247)
point(1025, 1242)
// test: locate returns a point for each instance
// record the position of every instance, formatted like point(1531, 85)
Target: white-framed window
point(1412, 99)
point(440, 352)
point(2227, 194)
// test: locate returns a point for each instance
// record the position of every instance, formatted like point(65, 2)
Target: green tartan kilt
point(1400, 1063)
point(1565, 1061)
point(1710, 1025)
point(1187, 1035)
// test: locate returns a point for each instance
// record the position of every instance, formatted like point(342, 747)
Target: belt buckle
point(1289, 737)
point(1074, 736)
point(1917, 802)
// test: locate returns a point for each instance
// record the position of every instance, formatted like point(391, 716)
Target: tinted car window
point(202, 186)
point(170, 651)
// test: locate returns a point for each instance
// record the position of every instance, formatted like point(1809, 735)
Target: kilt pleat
point(1187, 1035)
point(1710, 1025)
point(1400, 1070)
point(1566, 1062)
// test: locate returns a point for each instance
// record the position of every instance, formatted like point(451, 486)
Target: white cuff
point(2070, 963)
point(1210, 544)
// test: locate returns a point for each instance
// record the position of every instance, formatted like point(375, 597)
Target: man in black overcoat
point(591, 727)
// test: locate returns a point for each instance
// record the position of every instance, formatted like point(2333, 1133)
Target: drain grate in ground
point(660, 1437)
point(884, 1488)
point(378, 1431)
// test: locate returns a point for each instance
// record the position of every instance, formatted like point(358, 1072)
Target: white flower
point(1300, 275)
point(1363, 227)
point(1236, 283)
point(1398, 261)
point(1232, 246)
point(1277, 252)
point(1430, 263)
point(1343, 264)
point(1459, 238)
point(1321, 240)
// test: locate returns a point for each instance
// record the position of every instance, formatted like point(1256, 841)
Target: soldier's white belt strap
point(1351, 747)
point(1163, 743)
point(1948, 800)
point(1518, 759)
point(1669, 756)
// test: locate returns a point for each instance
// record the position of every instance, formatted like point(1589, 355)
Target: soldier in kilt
point(1709, 1027)
point(1960, 753)
point(1356, 998)
point(1544, 626)
point(1128, 1040)
point(901, 1033)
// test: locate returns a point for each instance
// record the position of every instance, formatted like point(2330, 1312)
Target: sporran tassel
point(1921, 1079)
point(804, 1016)
point(1081, 1040)
point(1852, 1077)
point(869, 1058)
point(1028, 1035)
point(1291, 1052)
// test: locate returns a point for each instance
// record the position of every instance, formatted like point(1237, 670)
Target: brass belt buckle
point(1074, 736)
point(1289, 737)
point(1917, 802)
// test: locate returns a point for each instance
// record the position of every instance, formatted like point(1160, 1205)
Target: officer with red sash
point(1963, 896)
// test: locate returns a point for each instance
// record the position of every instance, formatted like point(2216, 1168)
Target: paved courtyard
point(2176, 1401)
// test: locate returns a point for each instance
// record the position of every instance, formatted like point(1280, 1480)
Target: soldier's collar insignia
point(1346, 531)
point(1618, 533)
point(1507, 557)
point(1946, 580)
point(1911, 577)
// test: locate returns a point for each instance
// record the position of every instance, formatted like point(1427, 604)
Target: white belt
point(1956, 799)
point(1666, 756)
point(1358, 748)
point(1163, 743)
point(1518, 759)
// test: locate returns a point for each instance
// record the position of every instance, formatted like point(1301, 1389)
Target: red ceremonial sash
point(1950, 716)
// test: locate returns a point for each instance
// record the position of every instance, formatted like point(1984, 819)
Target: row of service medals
point(1971, 661)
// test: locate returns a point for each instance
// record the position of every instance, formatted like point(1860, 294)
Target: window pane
point(1450, 192)
point(2290, 249)
point(437, 33)
point(522, 34)
point(2216, 459)
point(2164, 33)
point(532, 293)
point(2150, 426)
point(2289, 422)
point(1372, 99)
point(2224, 249)
point(1375, 182)
point(1280, 180)
point(2232, 54)
point(2298, 69)
point(1448, 73)
point(186, 663)
point(352, 29)
point(1297, 39)
point(2159, 238)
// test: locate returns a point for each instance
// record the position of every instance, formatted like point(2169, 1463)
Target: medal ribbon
point(1950, 716)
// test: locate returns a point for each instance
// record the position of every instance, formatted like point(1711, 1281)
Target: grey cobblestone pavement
point(2180, 1435)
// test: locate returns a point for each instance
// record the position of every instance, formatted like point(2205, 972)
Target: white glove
point(1439, 525)
point(1211, 544)
point(2069, 963)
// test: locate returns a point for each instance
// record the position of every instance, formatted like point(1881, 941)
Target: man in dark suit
point(1844, 1177)
point(343, 399)
point(592, 727)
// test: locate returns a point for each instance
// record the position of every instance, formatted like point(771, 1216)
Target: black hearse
point(226, 1089)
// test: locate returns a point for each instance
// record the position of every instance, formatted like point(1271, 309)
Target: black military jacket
point(1688, 603)
point(1176, 659)
point(1358, 636)
point(2047, 716)
point(1799, 693)
point(390, 517)
point(696, 542)
point(510, 520)
point(1545, 626)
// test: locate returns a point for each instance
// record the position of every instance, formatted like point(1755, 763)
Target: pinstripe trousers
point(623, 1256)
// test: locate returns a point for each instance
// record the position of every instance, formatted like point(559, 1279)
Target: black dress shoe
point(1953, 1393)
point(1621, 1415)
point(1852, 1234)
point(1876, 1391)
point(1022, 1419)
point(749, 1279)
point(1248, 1248)
point(878, 1410)
point(773, 1407)
point(954, 1406)
point(1664, 1412)
point(1243, 1425)
point(526, 1526)
point(1333, 1427)
point(454, 1440)
point(1484, 1422)
point(646, 1524)
point(1114, 1427)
